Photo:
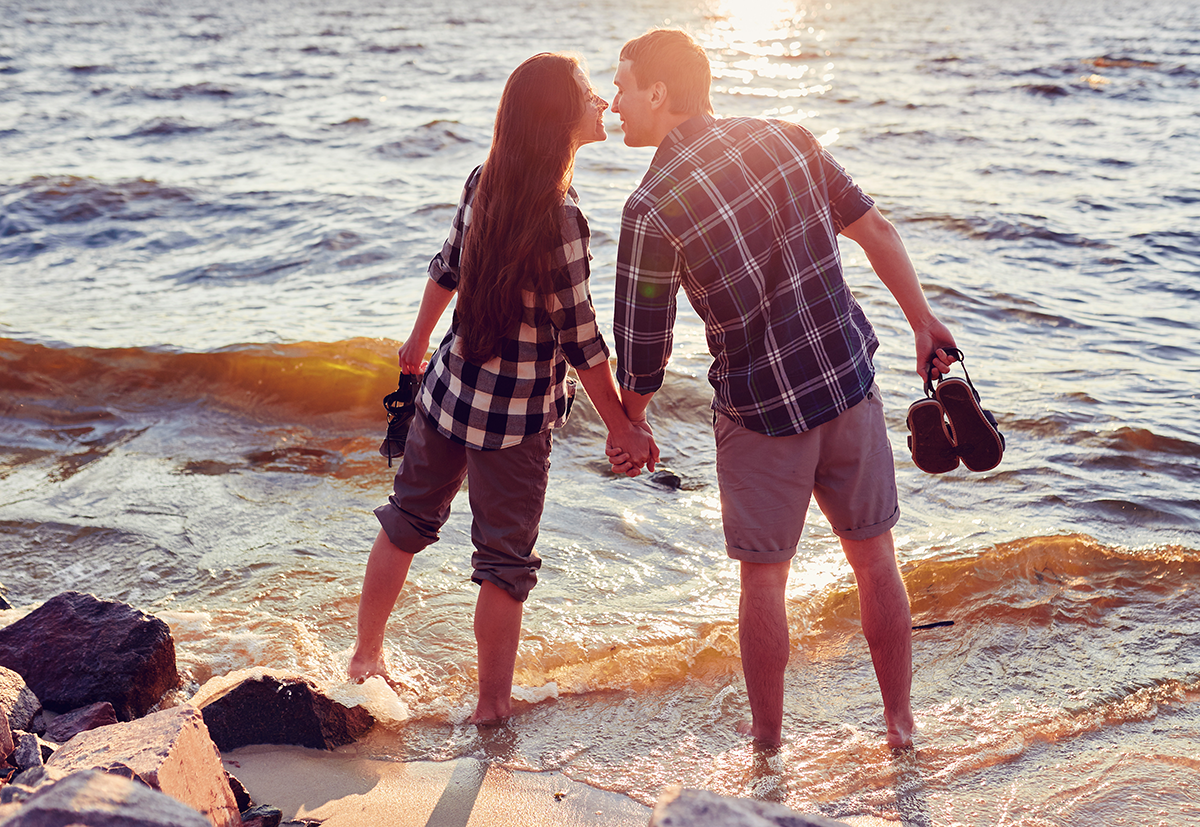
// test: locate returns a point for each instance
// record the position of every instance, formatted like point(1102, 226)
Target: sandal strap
point(962, 360)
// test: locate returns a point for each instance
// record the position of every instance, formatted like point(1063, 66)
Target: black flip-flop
point(972, 428)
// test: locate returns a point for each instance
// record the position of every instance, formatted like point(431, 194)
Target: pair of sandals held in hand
point(401, 405)
point(949, 426)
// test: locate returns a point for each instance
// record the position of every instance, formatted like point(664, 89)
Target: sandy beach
point(342, 789)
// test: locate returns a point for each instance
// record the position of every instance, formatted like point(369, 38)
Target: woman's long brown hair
point(516, 213)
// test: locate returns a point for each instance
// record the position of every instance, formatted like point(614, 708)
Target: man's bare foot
point(773, 739)
point(900, 736)
point(367, 666)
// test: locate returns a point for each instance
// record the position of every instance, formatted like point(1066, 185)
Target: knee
point(765, 578)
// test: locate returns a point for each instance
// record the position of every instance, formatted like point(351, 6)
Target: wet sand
point(341, 789)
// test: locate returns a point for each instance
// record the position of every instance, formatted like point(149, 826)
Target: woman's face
point(591, 125)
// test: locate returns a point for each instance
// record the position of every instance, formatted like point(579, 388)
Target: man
point(744, 214)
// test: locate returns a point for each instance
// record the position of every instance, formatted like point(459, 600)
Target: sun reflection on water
point(766, 49)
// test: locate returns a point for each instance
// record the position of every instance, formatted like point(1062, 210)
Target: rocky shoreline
point(94, 733)
point(85, 688)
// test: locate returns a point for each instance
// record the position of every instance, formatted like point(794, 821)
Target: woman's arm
point(433, 304)
point(629, 437)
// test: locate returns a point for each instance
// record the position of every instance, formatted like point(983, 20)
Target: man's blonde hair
point(673, 57)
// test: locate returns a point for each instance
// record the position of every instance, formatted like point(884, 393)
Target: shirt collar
point(686, 130)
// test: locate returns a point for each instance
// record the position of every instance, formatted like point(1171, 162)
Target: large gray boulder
point(170, 751)
point(97, 799)
point(76, 649)
point(271, 710)
point(684, 807)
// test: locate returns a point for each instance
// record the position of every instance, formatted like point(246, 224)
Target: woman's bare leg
point(497, 634)
point(387, 569)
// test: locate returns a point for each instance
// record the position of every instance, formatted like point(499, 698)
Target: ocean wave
point(434, 138)
point(166, 127)
point(205, 89)
point(998, 228)
point(1047, 588)
point(69, 199)
point(299, 383)
point(288, 383)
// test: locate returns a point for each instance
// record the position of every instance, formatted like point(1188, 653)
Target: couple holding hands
point(744, 214)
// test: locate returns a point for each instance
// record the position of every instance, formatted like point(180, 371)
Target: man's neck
point(669, 124)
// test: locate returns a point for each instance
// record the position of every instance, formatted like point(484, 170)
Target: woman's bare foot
point(490, 714)
point(367, 666)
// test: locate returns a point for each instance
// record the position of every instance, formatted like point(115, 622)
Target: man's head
point(662, 80)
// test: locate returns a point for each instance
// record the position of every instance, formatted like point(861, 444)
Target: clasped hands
point(632, 448)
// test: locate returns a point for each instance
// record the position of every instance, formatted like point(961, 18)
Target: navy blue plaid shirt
point(744, 213)
point(523, 390)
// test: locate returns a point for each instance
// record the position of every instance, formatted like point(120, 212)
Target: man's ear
point(658, 95)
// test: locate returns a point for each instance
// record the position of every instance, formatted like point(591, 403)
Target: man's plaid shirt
point(523, 391)
point(744, 213)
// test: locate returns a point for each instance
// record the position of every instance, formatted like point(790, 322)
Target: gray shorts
point(766, 482)
point(506, 490)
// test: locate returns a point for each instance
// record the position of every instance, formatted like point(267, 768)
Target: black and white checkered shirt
point(523, 391)
point(744, 213)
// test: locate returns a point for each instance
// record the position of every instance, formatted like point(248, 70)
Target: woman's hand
point(412, 354)
point(632, 448)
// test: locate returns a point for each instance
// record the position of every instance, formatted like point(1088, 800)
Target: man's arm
point(885, 250)
point(628, 438)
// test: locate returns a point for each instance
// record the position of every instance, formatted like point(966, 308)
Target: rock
point(667, 479)
point(75, 650)
point(270, 710)
point(262, 817)
point(169, 750)
point(17, 700)
point(240, 795)
point(683, 807)
point(28, 753)
point(97, 799)
point(6, 739)
point(68, 725)
point(27, 782)
point(40, 721)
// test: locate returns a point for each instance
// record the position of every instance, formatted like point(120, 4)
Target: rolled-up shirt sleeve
point(571, 309)
point(443, 269)
point(649, 274)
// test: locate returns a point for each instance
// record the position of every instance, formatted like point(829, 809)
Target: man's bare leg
point(887, 625)
point(387, 569)
point(765, 644)
point(497, 635)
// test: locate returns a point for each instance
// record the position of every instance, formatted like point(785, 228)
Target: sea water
point(215, 222)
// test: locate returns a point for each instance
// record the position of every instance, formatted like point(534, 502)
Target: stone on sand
point(170, 751)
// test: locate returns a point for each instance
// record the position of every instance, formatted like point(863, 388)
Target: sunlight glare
point(752, 20)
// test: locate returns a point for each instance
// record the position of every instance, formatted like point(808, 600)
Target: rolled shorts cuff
point(518, 591)
point(400, 531)
point(868, 531)
point(746, 555)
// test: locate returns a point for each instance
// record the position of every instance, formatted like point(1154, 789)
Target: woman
point(517, 257)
